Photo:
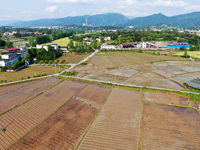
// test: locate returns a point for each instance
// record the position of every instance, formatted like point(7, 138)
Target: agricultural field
point(195, 54)
point(11, 99)
point(61, 42)
point(65, 127)
point(169, 127)
point(9, 88)
point(117, 59)
point(25, 117)
point(72, 58)
point(140, 69)
point(30, 71)
point(166, 98)
point(81, 115)
point(117, 125)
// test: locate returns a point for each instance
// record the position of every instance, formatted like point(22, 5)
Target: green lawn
point(195, 54)
point(60, 42)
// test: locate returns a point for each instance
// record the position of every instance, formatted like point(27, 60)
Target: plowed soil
point(24, 118)
point(169, 127)
point(9, 88)
point(65, 127)
point(117, 125)
point(14, 98)
point(165, 98)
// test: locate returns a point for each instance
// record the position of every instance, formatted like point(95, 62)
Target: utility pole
point(55, 68)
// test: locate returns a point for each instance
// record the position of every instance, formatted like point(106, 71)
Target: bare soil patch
point(169, 127)
point(167, 98)
point(117, 125)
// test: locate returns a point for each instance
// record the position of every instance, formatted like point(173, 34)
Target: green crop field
point(61, 42)
point(195, 54)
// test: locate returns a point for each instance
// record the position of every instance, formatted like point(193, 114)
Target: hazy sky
point(38, 9)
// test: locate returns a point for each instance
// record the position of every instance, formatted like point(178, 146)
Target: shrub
point(1, 81)
point(84, 63)
point(158, 53)
point(63, 61)
point(153, 53)
point(28, 77)
point(5, 81)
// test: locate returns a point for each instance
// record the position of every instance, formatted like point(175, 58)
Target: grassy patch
point(195, 54)
point(60, 42)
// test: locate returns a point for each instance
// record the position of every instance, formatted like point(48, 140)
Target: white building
point(107, 38)
point(54, 46)
point(104, 46)
point(11, 56)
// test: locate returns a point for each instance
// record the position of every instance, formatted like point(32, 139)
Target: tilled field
point(168, 127)
point(14, 98)
point(65, 127)
point(25, 117)
point(165, 98)
point(117, 125)
point(9, 88)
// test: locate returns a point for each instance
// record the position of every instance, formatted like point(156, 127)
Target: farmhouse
point(107, 38)
point(12, 55)
point(129, 45)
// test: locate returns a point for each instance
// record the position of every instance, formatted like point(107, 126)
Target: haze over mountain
point(95, 20)
point(184, 20)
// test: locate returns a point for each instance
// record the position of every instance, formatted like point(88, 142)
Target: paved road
point(74, 65)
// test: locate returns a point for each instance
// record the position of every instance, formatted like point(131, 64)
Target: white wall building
point(107, 38)
point(54, 46)
point(10, 57)
point(104, 46)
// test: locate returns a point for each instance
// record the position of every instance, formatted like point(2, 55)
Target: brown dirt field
point(106, 77)
point(150, 79)
point(119, 59)
point(30, 71)
point(142, 58)
point(72, 58)
point(14, 98)
point(9, 88)
point(25, 117)
point(169, 127)
point(165, 98)
point(101, 62)
point(65, 127)
point(117, 125)
point(195, 105)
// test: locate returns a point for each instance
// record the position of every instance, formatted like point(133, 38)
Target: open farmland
point(72, 58)
point(110, 67)
point(25, 117)
point(65, 127)
point(117, 59)
point(30, 71)
point(169, 127)
point(14, 98)
point(117, 125)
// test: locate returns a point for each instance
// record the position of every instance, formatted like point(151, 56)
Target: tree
point(49, 48)
point(71, 44)
point(8, 44)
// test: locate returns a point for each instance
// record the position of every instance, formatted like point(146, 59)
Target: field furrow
point(65, 127)
point(25, 117)
point(116, 127)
